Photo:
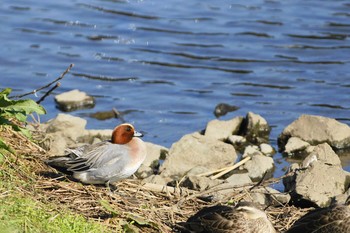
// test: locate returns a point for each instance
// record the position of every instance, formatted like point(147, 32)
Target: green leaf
point(141, 221)
point(105, 204)
point(4, 146)
point(28, 106)
point(5, 92)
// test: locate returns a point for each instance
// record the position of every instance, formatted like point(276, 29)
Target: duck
point(245, 217)
point(332, 219)
point(105, 162)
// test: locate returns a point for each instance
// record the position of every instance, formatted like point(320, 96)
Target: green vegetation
point(21, 214)
point(20, 208)
point(13, 112)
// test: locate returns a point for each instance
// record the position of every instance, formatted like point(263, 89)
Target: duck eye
point(128, 128)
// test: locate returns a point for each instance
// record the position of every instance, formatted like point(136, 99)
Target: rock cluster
point(72, 100)
point(316, 181)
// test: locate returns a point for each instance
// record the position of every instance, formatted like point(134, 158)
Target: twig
point(47, 85)
point(48, 93)
point(228, 169)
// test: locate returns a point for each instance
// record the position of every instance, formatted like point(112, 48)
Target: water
point(173, 61)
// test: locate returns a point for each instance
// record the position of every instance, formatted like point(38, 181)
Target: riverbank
point(197, 171)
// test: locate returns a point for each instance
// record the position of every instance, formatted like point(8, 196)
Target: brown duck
point(333, 219)
point(243, 218)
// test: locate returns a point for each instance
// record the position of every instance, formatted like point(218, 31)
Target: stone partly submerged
point(316, 130)
point(73, 100)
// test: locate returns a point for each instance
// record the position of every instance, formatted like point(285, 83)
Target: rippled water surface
point(171, 62)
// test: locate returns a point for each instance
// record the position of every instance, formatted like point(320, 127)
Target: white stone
point(266, 149)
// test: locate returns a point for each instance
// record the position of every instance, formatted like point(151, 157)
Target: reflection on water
point(175, 61)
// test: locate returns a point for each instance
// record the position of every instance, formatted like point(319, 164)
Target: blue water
point(174, 61)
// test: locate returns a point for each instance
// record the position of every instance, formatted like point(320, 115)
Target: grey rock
point(321, 178)
point(197, 170)
point(154, 152)
point(156, 179)
point(200, 183)
point(70, 126)
point(316, 130)
point(236, 140)
point(296, 147)
point(255, 128)
point(144, 172)
point(72, 100)
point(258, 166)
point(221, 130)
point(194, 150)
point(239, 179)
point(267, 149)
point(251, 151)
point(268, 196)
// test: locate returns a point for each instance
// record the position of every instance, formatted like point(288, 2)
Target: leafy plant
point(14, 113)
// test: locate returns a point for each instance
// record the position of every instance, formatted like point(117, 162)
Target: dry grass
point(134, 206)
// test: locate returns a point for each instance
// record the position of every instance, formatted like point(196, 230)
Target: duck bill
point(138, 134)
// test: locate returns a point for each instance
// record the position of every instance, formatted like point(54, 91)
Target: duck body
point(243, 218)
point(333, 219)
point(104, 162)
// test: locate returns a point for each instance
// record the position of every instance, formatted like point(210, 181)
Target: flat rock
point(255, 128)
point(221, 130)
point(316, 130)
point(72, 100)
point(194, 150)
point(321, 179)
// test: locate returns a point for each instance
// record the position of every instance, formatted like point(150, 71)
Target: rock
point(296, 147)
point(222, 109)
point(144, 172)
point(267, 149)
point(221, 130)
point(197, 170)
point(255, 128)
point(251, 151)
point(267, 196)
point(72, 100)
point(154, 152)
point(69, 126)
point(342, 198)
point(321, 179)
point(199, 183)
point(325, 154)
point(197, 150)
point(258, 166)
point(156, 179)
point(316, 130)
point(239, 179)
point(236, 140)
point(57, 144)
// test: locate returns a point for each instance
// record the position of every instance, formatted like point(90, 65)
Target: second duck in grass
point(245, 217)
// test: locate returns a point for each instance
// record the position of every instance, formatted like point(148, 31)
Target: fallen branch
point(48, 93)
point(47, 85)
point(228, 169)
